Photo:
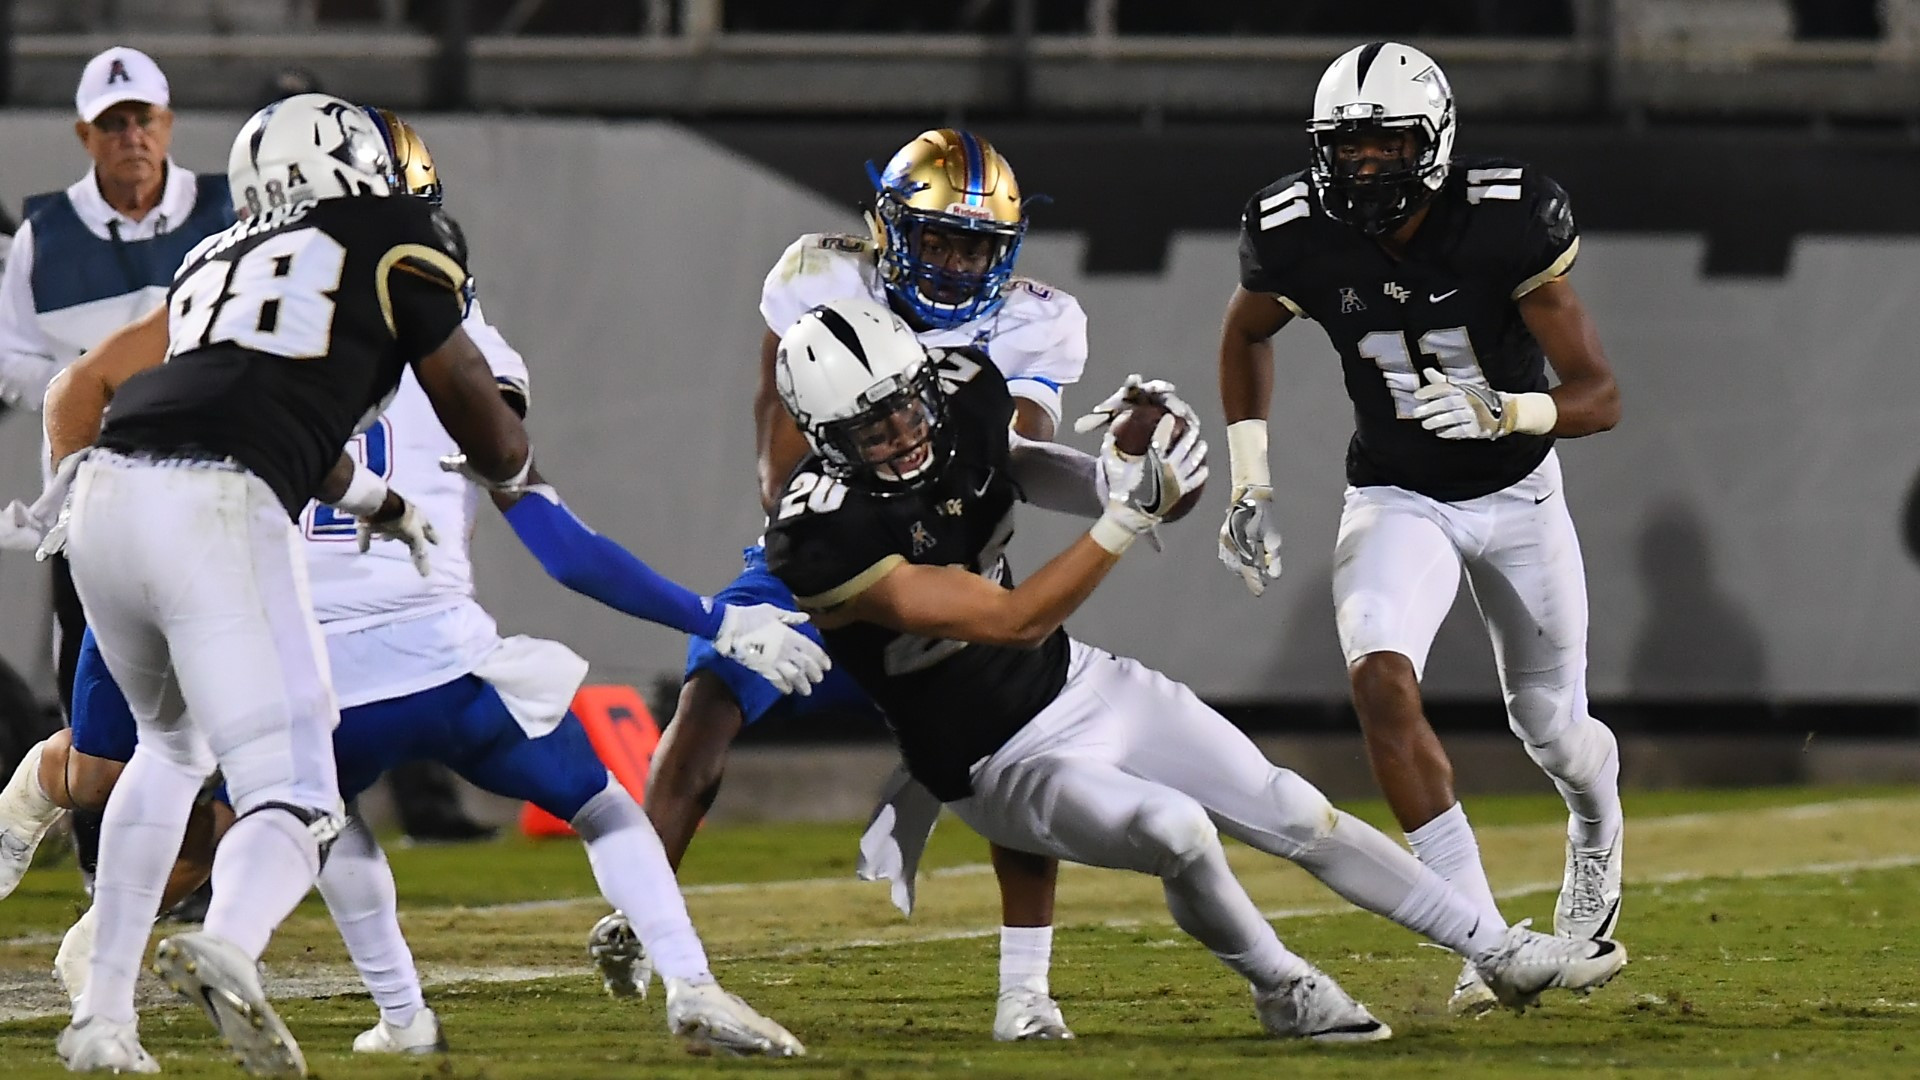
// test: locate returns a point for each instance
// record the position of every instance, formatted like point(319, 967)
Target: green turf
point(1796, 975)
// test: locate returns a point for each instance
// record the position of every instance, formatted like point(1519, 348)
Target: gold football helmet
point(413, 171)
point(948, 221)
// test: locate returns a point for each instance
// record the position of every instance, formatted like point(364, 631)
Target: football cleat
point(1313, 1006)
point(99, 1045)
point(709, 1018)
point(1589, 905)
point(1526, 964)
point(214, 974)
point(1471, 996)
point(1027, 1015)
point(625, 968)
point(70, 963)
point(25, 817)
point(421, 1035)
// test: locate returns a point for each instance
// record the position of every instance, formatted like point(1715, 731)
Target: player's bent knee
point(1384, 684)
point(1578, 754)
point(90, 780)
point(608, 812)
point(1540, 714)
point(1305, 815)
point(1172, 833)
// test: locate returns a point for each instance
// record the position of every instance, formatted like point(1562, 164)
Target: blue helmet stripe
point(976, 167)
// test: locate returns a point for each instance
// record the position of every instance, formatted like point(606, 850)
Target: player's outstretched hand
point(457, 463)
point(1131, 392)
point(1250, 538)
point(762, 638)
point(410, 527)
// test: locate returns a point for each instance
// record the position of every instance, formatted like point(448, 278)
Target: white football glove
point(762, 638)
point(1250, 537)
point(42, 527)
point(411, 528)
point(1142, 488)
point(1456, 409)
point(457, 463)
point(1131, 391)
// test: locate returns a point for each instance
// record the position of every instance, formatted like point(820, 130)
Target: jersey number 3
point(276, 298)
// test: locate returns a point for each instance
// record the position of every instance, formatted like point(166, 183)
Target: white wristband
point(1115, 533)
point(365, 494)
point(1247, 451)
point(1534, 413)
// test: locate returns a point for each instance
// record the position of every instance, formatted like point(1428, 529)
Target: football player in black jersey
point(892, 534)
point(1441, 283)
point(286, 331)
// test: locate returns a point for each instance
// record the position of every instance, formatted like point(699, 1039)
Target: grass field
point(1773, 933)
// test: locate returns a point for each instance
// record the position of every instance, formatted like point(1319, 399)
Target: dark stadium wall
point(1743, 528)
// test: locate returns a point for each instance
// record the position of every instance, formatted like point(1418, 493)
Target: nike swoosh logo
point(984, 485)
point(1434, 298)
point(1543, 498)
point(1152, 503)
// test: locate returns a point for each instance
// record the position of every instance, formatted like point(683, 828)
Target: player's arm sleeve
point(1054, 476)
point(1262, 263)
point(27, 361)
point(1059, 364)
point(782, 300)
point(508, 366)
point(422, 280)
point(592, 565)
point(827, 570)
point(1549, 239)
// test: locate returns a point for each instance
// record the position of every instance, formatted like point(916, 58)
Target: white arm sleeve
point(27, 361)
point(1054, 476)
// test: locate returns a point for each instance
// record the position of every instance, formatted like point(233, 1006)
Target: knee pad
point(1173, 832)
point(1538, 714)
point(1306, 817)
point(1578, 754)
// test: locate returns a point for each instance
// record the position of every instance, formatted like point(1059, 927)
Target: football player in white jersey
point(421, 671)
point(946, 222)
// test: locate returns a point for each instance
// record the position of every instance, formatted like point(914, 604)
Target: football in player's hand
point(1133, 433)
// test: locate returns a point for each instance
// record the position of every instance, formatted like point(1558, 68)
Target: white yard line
point(27, 998)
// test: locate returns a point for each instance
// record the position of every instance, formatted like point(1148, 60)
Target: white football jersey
point(352, 591)
point(1037, 337)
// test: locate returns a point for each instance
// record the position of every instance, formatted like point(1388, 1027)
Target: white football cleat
point(76, 948)
point(1526, 964)
point(1470, 997)
point(421, 1035)
point(99, 1045)
point(214, 974)
point(712, 1019)
point(1028, 1015)
point(1589, 905)
point(1314, 1007)
point(25, 817)
point(625, 968)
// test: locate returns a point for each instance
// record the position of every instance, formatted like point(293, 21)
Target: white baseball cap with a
point(117, 75)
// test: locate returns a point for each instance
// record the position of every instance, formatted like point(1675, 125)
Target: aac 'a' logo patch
point(923, 540)
point(118, 73)
point(1350, 301)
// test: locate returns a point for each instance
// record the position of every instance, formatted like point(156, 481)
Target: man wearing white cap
point(92, 258)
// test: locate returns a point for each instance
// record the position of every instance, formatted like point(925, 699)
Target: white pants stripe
point(194, 582)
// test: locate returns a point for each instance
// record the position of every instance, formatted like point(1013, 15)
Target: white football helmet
point(865, 393)
point(1371, 90)
point(308, 146)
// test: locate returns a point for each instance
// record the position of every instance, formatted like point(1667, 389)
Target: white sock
point(23, 800)
point(264, 867)
point(1026, 952)
point(1208, 902)
point(140, 835)
point(635, 877)
point(1446, 845)
point(357, 885)
point(1367, 868)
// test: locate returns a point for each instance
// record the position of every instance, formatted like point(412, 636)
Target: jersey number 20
point(276, 298)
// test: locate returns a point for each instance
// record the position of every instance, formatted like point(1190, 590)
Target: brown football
point(1133, 432)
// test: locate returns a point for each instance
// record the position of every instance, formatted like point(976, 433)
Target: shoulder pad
point(814, 269)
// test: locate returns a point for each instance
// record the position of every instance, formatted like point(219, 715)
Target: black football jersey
point(289, 333)
point(949, 703)
point(1495, 230)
